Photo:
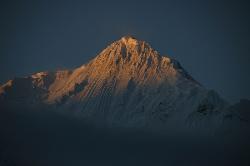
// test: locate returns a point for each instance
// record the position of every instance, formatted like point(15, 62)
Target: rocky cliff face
point(127, 84)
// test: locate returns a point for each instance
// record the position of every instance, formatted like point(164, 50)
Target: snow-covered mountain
point(127, 84)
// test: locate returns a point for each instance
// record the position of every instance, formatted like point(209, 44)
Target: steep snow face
point(127, 84)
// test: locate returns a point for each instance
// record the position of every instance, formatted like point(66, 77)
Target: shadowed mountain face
point(127, 84)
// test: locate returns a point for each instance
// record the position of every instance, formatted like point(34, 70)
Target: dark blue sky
point(211, 39)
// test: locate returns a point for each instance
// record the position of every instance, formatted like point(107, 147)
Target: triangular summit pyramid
point(128, 83)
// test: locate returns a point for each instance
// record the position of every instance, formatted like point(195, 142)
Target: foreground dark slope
point(45, 138)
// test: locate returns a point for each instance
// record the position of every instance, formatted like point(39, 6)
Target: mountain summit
point(127, 84)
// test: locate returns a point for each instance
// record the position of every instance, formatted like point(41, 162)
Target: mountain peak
point(128, 37)
point(128, 50)
point(128, 83)
point(129, 40)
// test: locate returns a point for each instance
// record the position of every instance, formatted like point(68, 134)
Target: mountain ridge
point(128, 83)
